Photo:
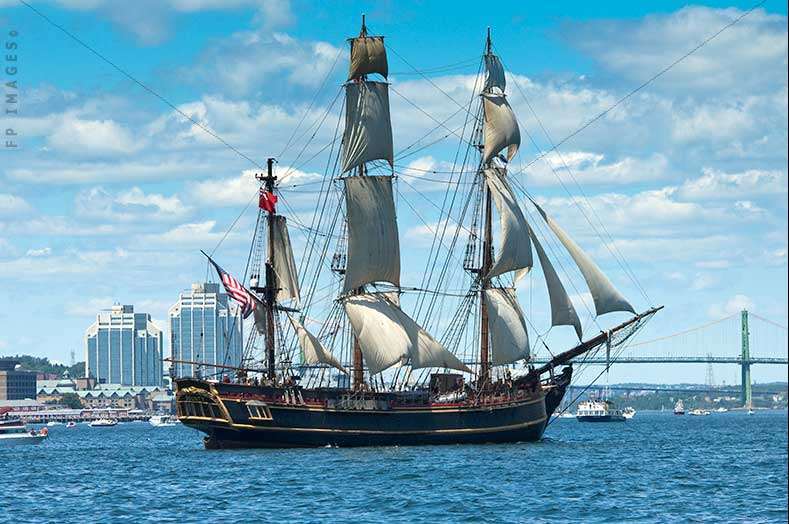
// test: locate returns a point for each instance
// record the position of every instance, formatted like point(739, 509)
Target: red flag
point(267, 201)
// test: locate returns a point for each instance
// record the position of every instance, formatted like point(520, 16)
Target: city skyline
point(688, 176)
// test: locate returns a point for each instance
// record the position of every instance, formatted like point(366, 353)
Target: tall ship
point(345, 353)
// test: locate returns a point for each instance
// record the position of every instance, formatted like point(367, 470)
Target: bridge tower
point(745, 357)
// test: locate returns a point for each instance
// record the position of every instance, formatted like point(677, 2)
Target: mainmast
point(487, 262)
point(270, 290)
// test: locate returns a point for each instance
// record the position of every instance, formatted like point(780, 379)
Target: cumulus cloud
point(11, 205)
point(238, 191)
point(129, 205)
point(150, 21)
point(731, 307)
point(742, 58)
point(716, 185)
point(79, 137)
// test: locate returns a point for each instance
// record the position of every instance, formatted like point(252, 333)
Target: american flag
point(236, 290)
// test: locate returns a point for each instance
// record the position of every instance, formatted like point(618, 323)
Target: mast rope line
point(647, 82)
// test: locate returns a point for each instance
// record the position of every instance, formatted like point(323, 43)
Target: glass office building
point(124, 347)
point(206, 328)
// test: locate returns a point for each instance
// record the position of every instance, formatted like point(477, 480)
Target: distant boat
point(54, 423)
point(103, 423)
point(750, 411)
point(14, 431)
point(679, 407)
point(599, 411)
point(161, 421)
point(71, 424)
point(721, 410)
point(629, 412)
point(698, 412)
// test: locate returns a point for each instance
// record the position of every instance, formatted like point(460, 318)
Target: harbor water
point(727, 467)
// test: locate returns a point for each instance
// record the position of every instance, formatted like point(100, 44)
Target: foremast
point(270, 290)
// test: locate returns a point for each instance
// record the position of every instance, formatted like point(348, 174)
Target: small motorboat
point(71, 424)
point(698, 412)
point(14, 431)
point(161, 421)
point(54, 423)
point(103, 423)
point(628, 412)
point(721, 410)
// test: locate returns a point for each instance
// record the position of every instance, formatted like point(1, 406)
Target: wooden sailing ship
point(399, 384)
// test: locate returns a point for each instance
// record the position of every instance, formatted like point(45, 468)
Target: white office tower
point(124, 347)
point(205, 329)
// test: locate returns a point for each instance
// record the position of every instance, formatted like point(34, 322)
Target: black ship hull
point(248, 416)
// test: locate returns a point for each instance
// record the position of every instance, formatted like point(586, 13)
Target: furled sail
point(501, 127)
point(605, 295)
point(509, 338)
point(387, 336)
point(373, 242)
point(314, 352)
point(515, 249)
point(284, 265)
point(562, 310)
point(368, 55)
point(368, 126)
point(494, 77)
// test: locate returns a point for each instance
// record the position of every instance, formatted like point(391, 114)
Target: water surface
point(654, 468)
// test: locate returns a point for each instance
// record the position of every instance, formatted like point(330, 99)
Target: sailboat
point(368, 371)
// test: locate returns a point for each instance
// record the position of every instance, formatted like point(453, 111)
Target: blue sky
point(111, 194)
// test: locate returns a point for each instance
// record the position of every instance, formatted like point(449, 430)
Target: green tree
point(71, 400)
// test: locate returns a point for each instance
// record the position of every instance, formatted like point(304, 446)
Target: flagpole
point(271, 278)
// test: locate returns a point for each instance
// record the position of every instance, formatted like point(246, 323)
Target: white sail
point(373, 242)
point(314, 352)
point(605, 295)
point(515, 248)
point(284, 265)
point(494, 74)
point(562, 310)
point(368, 55)
point(387, 336)
point(500, 126)
point(509, 338)
point(368, 126)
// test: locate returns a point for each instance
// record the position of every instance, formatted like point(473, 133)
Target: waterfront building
point(16, 384)
point(124, 347)
point(204, 327)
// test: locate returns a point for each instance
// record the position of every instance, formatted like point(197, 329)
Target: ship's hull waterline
point(236, 416)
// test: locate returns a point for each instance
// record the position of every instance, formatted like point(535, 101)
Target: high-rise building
point(205, 328)
point(16, 384)
point(124, 347)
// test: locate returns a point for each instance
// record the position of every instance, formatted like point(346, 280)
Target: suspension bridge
point(744, 339)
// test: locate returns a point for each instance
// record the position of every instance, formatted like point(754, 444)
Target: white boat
point(750, 412)
point(54, 423)
point(103, 422)
point(71, 424)
point(698, 412)
point(161, 421)
point(679, 407)
point(721, 410)
point(599, 411)
point(628, 412)
point(14, 431)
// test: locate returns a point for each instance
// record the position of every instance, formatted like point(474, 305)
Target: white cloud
point(198, 234)
point(748, 55)
point(732, 306)
point(42, 252)
point(238, 191)
point(12, 205)
point(151, 20)
point(714, 184)
point(129, 205)
point(247, 61)
point(591, 168)
point(79, 137)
